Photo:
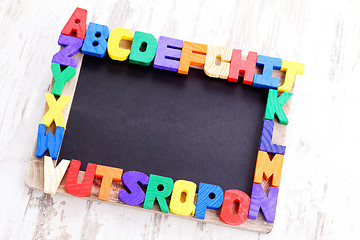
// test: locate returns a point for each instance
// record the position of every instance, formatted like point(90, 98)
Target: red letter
point(246, 67)
point(82, 189)
point(230, 197)
point(76, 24)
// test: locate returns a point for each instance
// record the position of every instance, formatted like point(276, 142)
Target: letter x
point(55, 110)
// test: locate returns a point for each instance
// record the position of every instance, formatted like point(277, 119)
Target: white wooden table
point(317, 198)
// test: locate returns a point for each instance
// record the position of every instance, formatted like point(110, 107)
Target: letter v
point(53, 175)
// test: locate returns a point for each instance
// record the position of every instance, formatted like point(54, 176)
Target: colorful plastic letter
point(143, 48)
point(291, 68)
point(211, 68)
point(61, 77)
point(49, 141)
point(52, 175)
point(230, 197)
point(108, 175)
point(82, 189)
point(266, 139)
point(266, 203)
point(168, 54)
point(131, 180)
point(55, 110)
point(71, 46)
point(192, 54)
point(113, 48)
point(265, 80)
point(76, 24)
point(209, 196)
point(267, 168)
point(274, 106)
point(183, 205)
point(246, 67)
point(158, 188)
point(95, 42)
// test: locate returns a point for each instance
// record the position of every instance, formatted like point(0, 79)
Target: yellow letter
point(178, 204)
point(291, 68)
point(113, 48)
point(55, 110)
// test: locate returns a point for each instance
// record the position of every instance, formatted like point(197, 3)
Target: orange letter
point(268, 168)
point(108, 174)
point(192, 54)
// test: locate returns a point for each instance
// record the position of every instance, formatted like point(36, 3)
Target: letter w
point(49, 141)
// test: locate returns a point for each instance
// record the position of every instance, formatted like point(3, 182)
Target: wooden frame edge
point(35, 180)
point(35, 172)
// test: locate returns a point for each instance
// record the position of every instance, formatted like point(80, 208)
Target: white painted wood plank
point(316, 198)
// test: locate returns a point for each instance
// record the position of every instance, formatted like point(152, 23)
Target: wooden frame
point(35, 172)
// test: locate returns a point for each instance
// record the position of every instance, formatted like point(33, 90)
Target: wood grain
point(53, 174)
point(214, 67)
point(259, 224)
point(35, 179)
point(320, 149)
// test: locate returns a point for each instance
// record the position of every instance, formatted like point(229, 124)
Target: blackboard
point(190, 127)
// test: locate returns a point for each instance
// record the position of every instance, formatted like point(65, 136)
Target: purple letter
point(267, 204)
point(168, 53)
point(131, 180)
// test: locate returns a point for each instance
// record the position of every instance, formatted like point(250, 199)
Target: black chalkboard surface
point(191, 127)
